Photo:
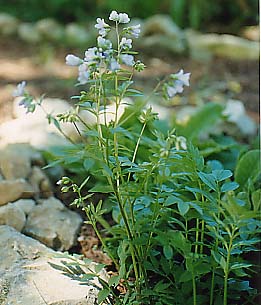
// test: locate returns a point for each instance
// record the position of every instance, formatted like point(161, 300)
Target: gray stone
point(50, 29)
point(8, 24)
point(161, 32)
point(25, 205)
point(53, 224)
point(14, 164)
point(251, 32)
point(26, 277)
point(40, 182)
point(76, 35)
point(12, 190)
point(224, 45)
point(12, 216)
point(29, 33)
point(16, 160)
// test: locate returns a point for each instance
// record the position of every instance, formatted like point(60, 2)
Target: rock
point(38, 119)
point(224, 45)
point(11, 190)
point(25, 205)
point(49, 29)
point(14, 165)
point(12, 216)
point(40, 182)
point(26, 277)
point(61, 235)
point(29, 33)
point(162, 43)
point(161, 32)
point(16, 160)
point(76, 35)
point(236, 113)
point(34, 133)
point(8, 24)
point(251, 32)
point(36, 130)
point(160, 24)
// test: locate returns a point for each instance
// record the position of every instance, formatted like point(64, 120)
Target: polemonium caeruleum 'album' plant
point(180, 228)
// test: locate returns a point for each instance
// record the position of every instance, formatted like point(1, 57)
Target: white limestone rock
point(25, 205)
point(12, 216)
point(12, 190)
point(223, 45)
point(53, 224)
point(26, 277)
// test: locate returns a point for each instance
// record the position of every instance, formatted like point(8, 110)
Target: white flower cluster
point(104, 56)
point(177, 83)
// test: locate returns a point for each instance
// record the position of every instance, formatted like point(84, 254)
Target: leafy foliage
point(182, 227)
point(186, 13)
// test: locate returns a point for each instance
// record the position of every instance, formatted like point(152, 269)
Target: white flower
point(126, 43)
point(180, 80)
point(91, 55)
point(127, 59)
point(121, 17)
point(84, 74)
point(19, 91)
point(114, 16)
point(100, 24)
point(124, 18)
point(171, 91)
point(176, 87)
point(104, 43)
point(102, 27)
point(114, 65)
point(184, 78)
point(72, 60)
point(134, 30)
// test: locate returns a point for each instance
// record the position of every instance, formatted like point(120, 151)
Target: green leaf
point(102, 295)
point(248, 167)
point(183, 207)
point(209, 180)
point(99, 188)
point(240, 265)
point(185, 276)
point(229, 186)
point(168, 251)
point(222, 174)
point(114, 280)
point(88, 163)
point(256, 199)
point(222, 263)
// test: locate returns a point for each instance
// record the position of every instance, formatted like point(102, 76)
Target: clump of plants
point(183, 227)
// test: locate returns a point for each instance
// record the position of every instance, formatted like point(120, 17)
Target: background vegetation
point(197, 14)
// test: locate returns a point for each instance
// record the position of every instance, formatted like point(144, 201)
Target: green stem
point(194, 289)
point(212, 286)
point(226, 271)
point(197, 235)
